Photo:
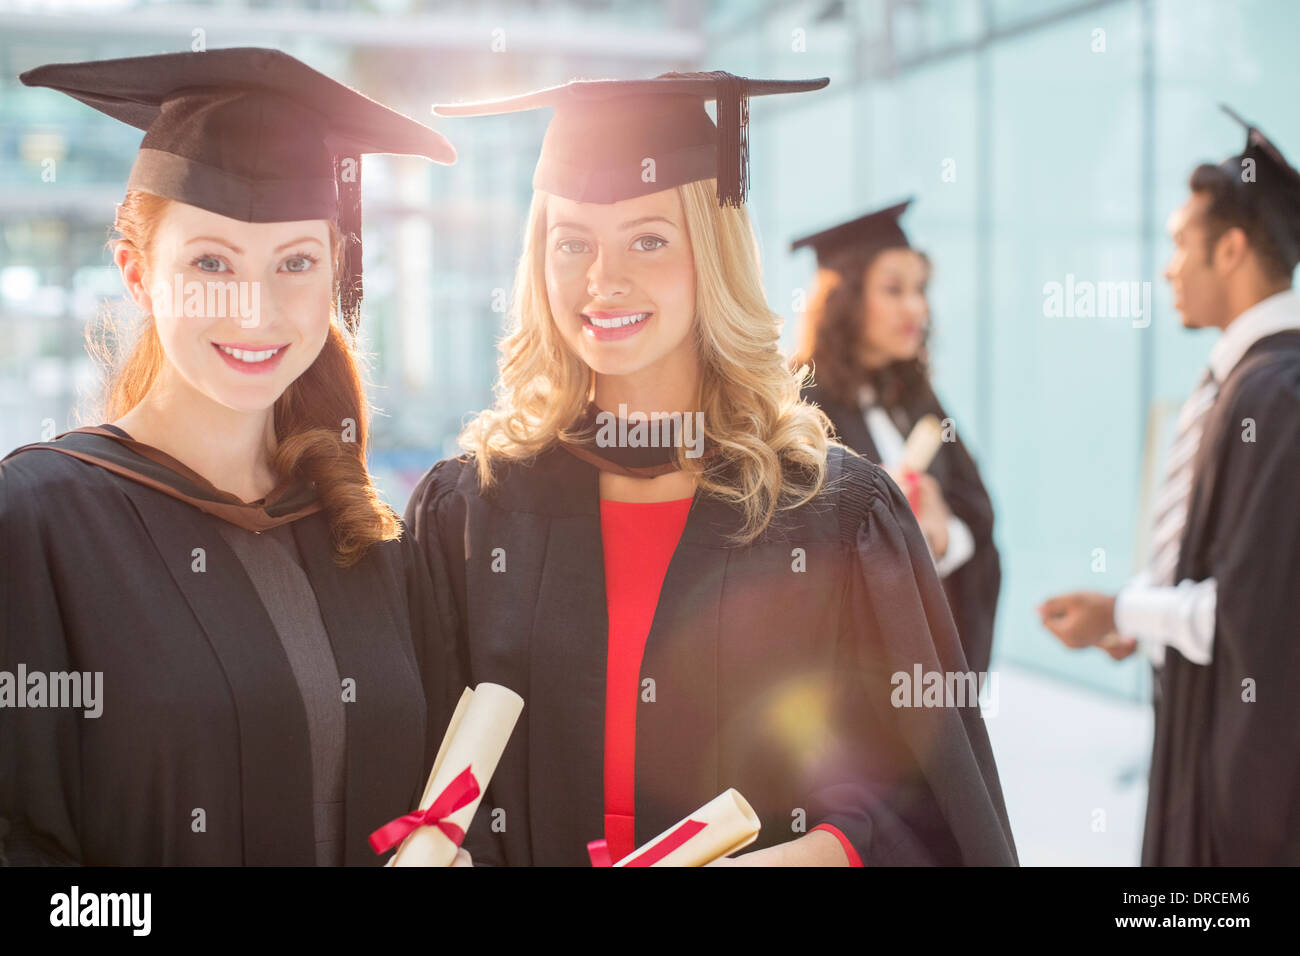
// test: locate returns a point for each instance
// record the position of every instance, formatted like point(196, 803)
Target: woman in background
point(864, 336)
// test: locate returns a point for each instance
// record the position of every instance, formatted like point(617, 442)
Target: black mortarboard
point(1275, 191)
point(875, 230)
point(604, 131)
point(249, 133)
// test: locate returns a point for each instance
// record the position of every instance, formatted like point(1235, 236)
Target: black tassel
point(350, 287)
point(733, 138)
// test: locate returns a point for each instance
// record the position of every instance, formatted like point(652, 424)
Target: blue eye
point(564, 246)
point(299, 263)
point(205, 264)
point(660, 243)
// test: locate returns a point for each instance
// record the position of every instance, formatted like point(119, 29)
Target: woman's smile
point(612, 326)
point(249, 360)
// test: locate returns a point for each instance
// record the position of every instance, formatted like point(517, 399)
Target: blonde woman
point(211, 609)
point(652, 539)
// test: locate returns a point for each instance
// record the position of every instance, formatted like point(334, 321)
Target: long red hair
point(310, 417)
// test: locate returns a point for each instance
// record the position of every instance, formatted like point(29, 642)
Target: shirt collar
point(1278, 313)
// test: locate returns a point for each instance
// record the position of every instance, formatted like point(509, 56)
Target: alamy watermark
point(211, 299)
point(945, 689)
point(1085, 299)
point(129, 910)
point(658, 430)
point(76, 689)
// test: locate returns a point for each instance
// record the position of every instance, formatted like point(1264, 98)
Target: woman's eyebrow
point(282, 247)
point(225, 242)
point(630, 224)
point(239, 252)
point(644, 219)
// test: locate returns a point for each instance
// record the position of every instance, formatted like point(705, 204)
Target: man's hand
point(1080, 619)
point(1118, 647)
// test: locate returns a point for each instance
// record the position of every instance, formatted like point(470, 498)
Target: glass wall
point(1045, 143)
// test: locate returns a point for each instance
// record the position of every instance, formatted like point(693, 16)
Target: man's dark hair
point(1232, 206)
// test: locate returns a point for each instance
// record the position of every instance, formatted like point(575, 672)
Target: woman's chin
point(249, 400)
point(605, 361)
point(618, 368)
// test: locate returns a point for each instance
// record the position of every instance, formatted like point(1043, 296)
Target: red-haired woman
point(209, 606)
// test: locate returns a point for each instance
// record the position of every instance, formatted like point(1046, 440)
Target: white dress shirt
point(889, 444)
point(1182, 616)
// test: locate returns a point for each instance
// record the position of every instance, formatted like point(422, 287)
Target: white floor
point(1073, 765)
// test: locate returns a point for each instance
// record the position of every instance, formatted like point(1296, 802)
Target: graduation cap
point(249, 133)
point(617, 139)
point(875, 230)
point(1274, 193)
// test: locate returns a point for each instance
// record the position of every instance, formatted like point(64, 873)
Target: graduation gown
point(1225, 770)
point(767, 668)
point(200, 708)
point(972, 589)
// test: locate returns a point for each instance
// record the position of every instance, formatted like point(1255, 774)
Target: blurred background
point(1046, 141)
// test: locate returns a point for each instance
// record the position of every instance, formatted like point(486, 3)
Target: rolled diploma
point(922, 444)
point(730, 825)
point(476, 737)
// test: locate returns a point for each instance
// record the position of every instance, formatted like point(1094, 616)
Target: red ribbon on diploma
point(459, 793)
point(913, 482)
point(598, 850)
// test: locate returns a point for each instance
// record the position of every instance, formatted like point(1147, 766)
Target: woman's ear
point(130, 264)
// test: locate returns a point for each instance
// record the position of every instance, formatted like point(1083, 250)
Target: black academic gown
point(1225, 772)
point(200, 709)
point(972, 589)
point(768, 679)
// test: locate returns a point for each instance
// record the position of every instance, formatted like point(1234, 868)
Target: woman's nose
point(606, 278)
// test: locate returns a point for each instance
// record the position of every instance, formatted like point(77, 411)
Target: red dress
point(639, 539)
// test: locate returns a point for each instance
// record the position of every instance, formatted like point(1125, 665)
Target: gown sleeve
point(433, 631)
point(1253, 752)
point(435, 521)
point(974, 585)
point(39, 746)
point(906, 785)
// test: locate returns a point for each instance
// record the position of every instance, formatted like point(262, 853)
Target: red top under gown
point(638, 539)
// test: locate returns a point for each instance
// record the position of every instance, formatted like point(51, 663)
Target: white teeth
point(618, 320)
point(245, 356)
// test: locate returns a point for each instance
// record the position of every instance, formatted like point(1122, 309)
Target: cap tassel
point(733, 138)
point(350, 288)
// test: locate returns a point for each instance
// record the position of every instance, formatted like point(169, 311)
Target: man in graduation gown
point(1216, 606)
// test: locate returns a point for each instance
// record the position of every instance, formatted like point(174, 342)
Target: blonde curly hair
point(748, 395)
